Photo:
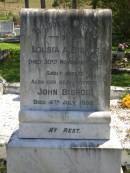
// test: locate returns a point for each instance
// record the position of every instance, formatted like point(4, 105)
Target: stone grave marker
point(65, 93)
point(6, 27)
point(65, 74)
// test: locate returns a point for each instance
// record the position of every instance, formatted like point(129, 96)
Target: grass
point(3, 166)
point(122, 79)
point(10, 70)
point(10, 66)
point(9, 46)
point(3, 17)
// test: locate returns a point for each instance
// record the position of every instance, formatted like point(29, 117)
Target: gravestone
point(6, 27)
point(65, 74)
point(65, 94)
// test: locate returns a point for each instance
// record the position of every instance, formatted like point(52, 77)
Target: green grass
point(3, 168)
point(122, 79)
point(10, 67)
point(3, 17)
point(6, 16)
point(9, 46)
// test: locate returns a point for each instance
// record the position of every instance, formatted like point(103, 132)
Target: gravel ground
point(9, 107)
point(121, 123)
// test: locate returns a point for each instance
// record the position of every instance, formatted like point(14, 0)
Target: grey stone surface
point(66, 156)
point(65, 59)
point(75, 129)
point(115, 92)
point(100, 117)
point(65, 124)
point(65, 73)
point(65, 130)
point(13, 88)
point(118, 92)
point(6, 27)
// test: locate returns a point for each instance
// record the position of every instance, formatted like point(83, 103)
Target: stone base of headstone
point(63, 156)
point(65, 124)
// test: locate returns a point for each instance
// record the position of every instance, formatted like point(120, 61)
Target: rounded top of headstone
point(69, 11)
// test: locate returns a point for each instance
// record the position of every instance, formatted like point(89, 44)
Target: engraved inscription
point(44, 50)
point(52, 130)
point(47, 92)
point(64, 130)
point(66, 62)
point(69, 130)
point(75, 92)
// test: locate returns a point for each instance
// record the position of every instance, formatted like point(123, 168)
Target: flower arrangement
point(125, 102)
point(122, 47)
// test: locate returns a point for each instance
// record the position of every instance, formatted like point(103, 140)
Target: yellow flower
point(125, 103)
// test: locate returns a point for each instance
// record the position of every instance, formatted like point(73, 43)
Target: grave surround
point(6, 27)
point(65, 93)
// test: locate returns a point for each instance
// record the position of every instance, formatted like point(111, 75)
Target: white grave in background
point(6, 27)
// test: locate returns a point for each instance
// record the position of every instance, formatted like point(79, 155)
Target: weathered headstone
point(65, 61)
point(65, 74)
point(65, 94)
point(6, 27)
